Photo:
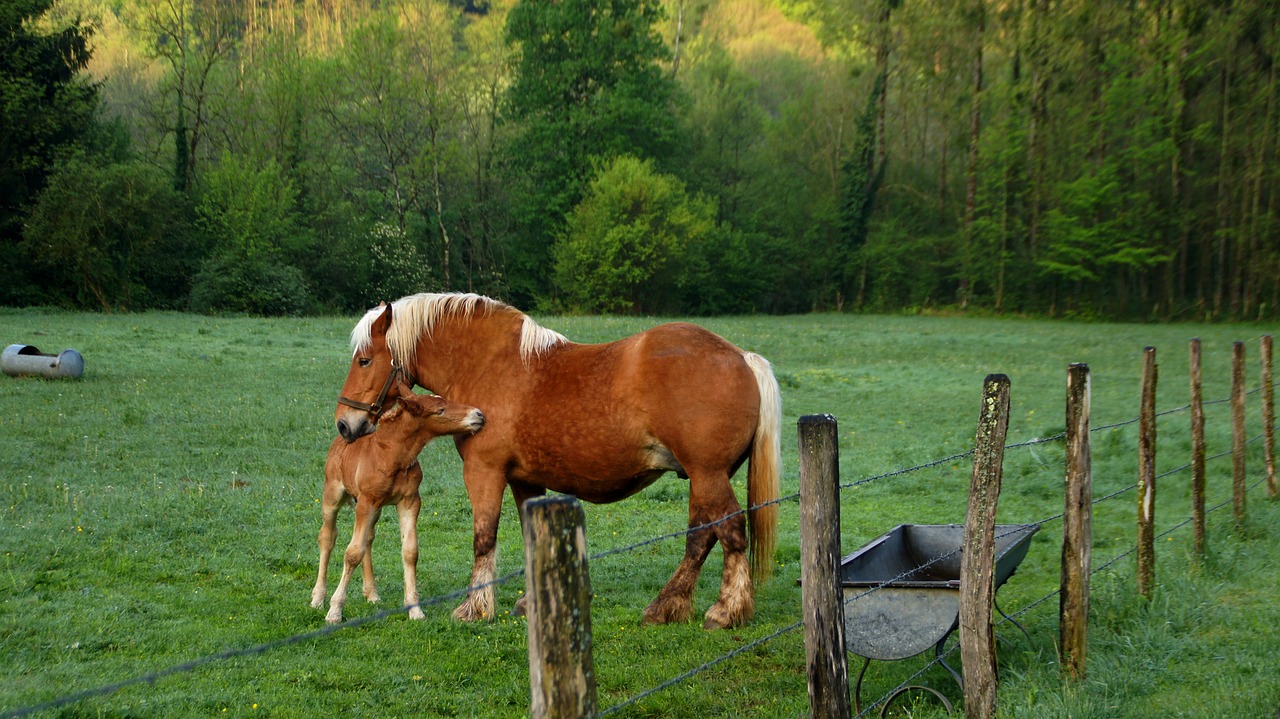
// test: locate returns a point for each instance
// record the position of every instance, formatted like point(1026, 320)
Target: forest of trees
point(1048, 157)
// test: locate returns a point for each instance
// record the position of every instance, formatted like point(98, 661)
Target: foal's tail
point(763, 470)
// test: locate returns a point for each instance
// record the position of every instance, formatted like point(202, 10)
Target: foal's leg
point(366, 565)
point(356, 551)
point(332, 499)
point(407, 510)
point(485, 489)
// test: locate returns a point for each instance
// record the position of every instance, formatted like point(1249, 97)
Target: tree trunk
point(975, 138)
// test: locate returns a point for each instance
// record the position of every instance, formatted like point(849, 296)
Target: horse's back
point(676, 384)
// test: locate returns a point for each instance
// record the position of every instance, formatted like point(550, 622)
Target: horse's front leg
point(485, 489)
point(522, 493)
point(407, 510)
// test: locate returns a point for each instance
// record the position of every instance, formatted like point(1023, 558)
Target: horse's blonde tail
point(763, 470)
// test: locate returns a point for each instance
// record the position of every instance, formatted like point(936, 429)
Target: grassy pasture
point(164, 508)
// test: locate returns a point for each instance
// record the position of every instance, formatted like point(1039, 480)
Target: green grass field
point(164, 509)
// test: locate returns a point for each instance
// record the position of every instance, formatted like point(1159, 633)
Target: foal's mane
point(416, 315)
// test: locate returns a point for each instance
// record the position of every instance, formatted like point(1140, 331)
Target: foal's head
point(427, 416)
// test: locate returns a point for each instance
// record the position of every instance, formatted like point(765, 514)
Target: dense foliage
point(1059, 158)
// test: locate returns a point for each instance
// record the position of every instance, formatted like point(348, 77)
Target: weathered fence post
point(559, 590)
point(1197, 451)
point(977, 564)
point(1077, 527)
point(1269, 418)
point(823, 606)
point(1237, 433)
point(1147, 475)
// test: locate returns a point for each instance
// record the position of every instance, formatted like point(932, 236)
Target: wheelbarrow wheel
point(884, 710)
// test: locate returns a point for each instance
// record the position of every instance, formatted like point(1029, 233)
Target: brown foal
point(378, 470)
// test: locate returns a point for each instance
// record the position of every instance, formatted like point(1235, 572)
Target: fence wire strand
point(258, 649)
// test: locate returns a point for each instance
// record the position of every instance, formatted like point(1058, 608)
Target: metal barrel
point(18, 360)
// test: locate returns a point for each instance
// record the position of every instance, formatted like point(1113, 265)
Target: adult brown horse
point(598, 421)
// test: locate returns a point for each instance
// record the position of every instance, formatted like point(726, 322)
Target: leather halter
point(375, 409)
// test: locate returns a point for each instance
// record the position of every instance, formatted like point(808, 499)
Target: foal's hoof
point(522, 607)
point(416, 613)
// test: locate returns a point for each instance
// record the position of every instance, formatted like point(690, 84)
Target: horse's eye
point(365, 361)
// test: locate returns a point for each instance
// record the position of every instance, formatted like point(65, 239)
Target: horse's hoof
point(416, 613)
point(666, 612)
point(333, 617)
point(521, 608)
point(466, 612)
point(372, 598)
point(719, 617)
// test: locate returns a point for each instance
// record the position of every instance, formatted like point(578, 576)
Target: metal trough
point(902, 592)
point(29, 360)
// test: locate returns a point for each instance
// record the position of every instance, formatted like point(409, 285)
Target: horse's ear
point(383, 323)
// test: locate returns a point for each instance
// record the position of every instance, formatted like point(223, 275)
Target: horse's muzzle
point(351, 431)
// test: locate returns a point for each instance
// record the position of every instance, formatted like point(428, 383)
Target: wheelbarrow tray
point(902, 589)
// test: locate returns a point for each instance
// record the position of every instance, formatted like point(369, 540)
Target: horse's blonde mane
point(416, 315)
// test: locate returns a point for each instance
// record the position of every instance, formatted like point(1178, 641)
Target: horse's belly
point(598, 477)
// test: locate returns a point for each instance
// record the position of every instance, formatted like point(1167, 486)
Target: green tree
point(249, 216)
point(587, 87)
point(47, 110)
point(115, 233)
point(624, 247)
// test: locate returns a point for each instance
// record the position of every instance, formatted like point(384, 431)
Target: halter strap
point(376, 408)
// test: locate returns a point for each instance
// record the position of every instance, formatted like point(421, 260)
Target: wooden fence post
point(821, 597)
point(1237, 433)
point(1197, 451)
point(1269, 418)
point(559, 589)
point(977, 564)
point(1147, 475)
point(1077, 527)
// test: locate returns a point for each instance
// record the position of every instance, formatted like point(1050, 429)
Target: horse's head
point(373, 381)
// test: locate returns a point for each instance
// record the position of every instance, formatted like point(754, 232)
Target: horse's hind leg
point(407, 510)
point(736, 603)
point(673, 603)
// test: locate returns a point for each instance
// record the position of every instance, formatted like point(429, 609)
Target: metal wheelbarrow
point(902, 593)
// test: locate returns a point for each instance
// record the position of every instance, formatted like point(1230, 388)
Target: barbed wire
point(186, 667)
point(1035, 603)
point(263, 648)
